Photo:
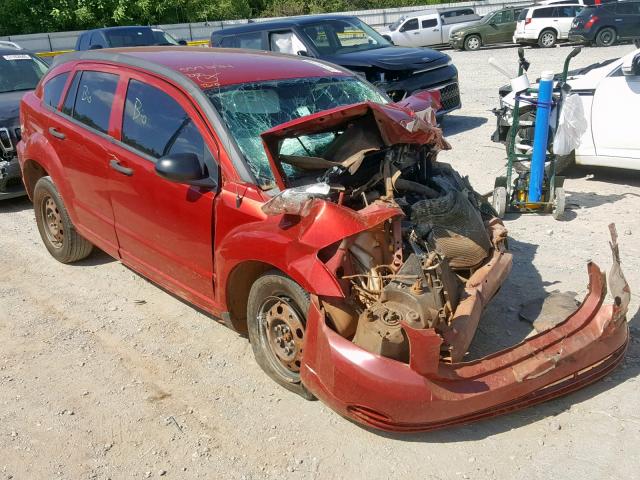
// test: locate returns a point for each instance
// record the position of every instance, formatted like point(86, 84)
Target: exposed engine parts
point(411, 270)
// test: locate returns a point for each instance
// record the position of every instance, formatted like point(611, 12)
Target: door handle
point(115, 164)
point(56, 133)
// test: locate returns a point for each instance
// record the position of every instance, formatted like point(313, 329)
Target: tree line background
point(41, 16)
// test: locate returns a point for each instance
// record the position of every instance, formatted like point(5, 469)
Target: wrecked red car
point(292, 201)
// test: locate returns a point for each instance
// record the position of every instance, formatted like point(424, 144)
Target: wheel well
point(238, 285)
point(549, 29)
point(32, 171)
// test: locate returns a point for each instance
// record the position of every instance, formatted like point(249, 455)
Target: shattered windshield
point(249, 109)
point(346, 35)
point(20, 71)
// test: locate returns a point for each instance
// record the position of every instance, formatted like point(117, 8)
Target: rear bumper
point(428, 394)
point(525, 37)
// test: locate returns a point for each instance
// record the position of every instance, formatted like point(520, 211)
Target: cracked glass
point(248, 109)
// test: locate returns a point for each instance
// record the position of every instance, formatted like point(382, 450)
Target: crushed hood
point(394, 123)
point(389, 58)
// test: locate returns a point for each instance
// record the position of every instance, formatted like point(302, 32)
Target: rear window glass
point(544, 12)
point(429, 23)
point(130, 37)
point(52, 90)
point(457, 13)
point(94, 99)
point(523, 14)
point(251, 41)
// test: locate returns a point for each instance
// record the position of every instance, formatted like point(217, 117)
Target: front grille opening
point(450, 96)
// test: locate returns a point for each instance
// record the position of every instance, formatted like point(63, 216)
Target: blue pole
point(540, 136)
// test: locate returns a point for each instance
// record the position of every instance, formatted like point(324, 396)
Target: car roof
point(213, 67)
point(122, 27)
point(563, 4)
point(281, 23)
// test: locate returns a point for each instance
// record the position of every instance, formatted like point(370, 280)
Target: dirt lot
point(103, 375)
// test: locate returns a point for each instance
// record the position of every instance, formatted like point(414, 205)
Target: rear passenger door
point(165, 229)
point(627, 19)
point(564, 16)
point(80, 134)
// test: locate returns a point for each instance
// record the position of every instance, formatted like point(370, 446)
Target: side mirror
point(302, 53)
point(631, 67)
point(184, 168)
point(182, 42)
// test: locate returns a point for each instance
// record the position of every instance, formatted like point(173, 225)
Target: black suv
point(351, 43)
point(20, 72)
point(116, 37)
point(607, 24)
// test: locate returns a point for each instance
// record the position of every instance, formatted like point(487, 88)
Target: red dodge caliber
point(291, 200)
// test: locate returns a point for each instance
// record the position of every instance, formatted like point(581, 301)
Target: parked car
point(605, 25)
point(290, 200)
point(545, 25)
point(610, 96)
point(20, 71)
point(130, 36)
point(351, 43)
point(495, 27)
point(429, 27)
point(7, 44)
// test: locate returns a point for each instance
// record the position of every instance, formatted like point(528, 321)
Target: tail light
point(591, 21)
point(527, 21)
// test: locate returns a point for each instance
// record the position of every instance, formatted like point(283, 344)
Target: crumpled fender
point(291, 244)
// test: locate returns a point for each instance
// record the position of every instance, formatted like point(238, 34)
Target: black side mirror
point(182, 42)
point(184, 168)
point(302, 53)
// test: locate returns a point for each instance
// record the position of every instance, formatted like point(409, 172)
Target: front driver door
point(614, 116)
point(409, 33)
point(165, 229)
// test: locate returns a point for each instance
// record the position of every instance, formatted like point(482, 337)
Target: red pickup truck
point(290, 199)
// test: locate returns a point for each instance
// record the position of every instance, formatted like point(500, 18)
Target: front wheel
point(276, 320)
point(58, 233)
point(547, 39)
point(472, 42)
point(606, 37)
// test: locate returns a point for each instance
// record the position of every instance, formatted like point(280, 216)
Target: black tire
point(56, 229)
point(547, 38)
point(472, 43)
point(606, 37)
point(271, 287)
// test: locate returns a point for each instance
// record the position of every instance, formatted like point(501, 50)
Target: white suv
point(545, 25)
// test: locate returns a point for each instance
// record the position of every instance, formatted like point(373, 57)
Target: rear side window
point(251, 41)
point(565, 12)
point(410, 25)
point(429, 23)
point(93, 99)
point(154, 123)
point(53, 89)
point(628, 8)
point(544, 13)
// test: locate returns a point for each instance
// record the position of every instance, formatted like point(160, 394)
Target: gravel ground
point(103, 375)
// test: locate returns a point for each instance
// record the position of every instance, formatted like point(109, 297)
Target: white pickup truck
point(429, 27)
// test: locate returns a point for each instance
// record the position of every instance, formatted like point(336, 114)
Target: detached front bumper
point(429, 394)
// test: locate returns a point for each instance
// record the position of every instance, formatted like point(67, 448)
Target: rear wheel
point(276, 320)
point(472, 42)
point(606, 37)
point(58, 233)
point(547, 39)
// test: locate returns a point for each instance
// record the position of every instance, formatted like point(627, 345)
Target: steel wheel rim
point(606, 37)
point(282, 333)
point(473, 43)
point(547, 39)
point(53, 226)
